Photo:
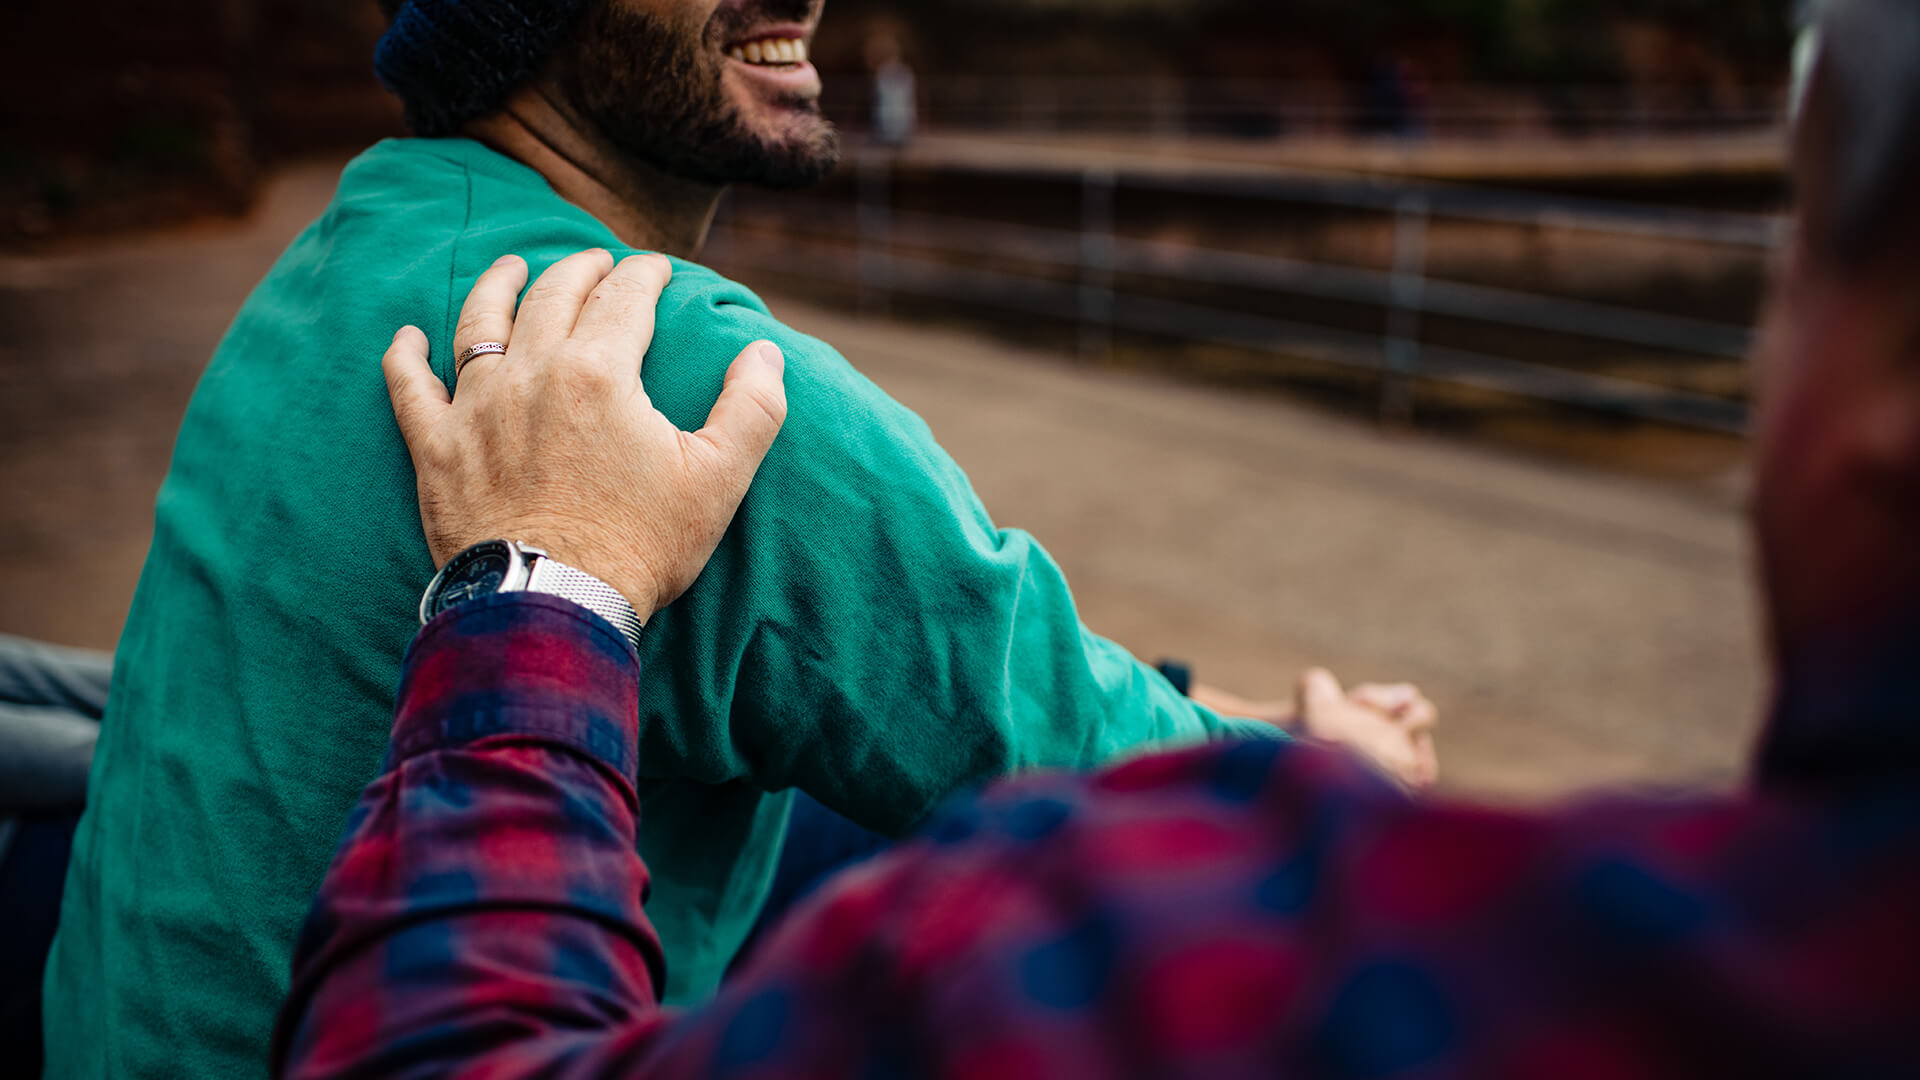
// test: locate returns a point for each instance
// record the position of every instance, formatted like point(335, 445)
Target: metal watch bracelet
point(556, 578)
point(506, 566)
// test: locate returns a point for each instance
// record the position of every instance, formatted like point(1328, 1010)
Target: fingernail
point(769, 354)
point(403, 332)
point(504, 260)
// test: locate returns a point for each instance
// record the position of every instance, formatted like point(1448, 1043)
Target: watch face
point(475, 573)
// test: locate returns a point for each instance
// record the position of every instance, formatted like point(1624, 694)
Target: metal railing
point(1074, 274)
point(1165, 105)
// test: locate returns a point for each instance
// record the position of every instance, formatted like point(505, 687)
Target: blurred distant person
point(1395, 99)
point(896, 109)
point(872, 636)
point(1261, 909)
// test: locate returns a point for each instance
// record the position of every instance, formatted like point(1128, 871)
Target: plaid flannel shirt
point(1252, 909)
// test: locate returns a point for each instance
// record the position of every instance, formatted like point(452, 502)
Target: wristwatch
point(504, 566)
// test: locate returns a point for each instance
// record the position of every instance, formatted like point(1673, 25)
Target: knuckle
point(771, 405)
point(439, 455)
point(471, 326)
point(636, 276)
point(517, 388)
point(592, 261)
point(654, 270)
point(584, 376)
point(615, 288)
point(558, 276)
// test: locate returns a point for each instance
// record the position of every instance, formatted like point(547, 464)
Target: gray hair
point(1858, 132)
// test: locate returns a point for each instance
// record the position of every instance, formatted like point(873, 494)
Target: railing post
point(1407, 294)
point(1167, 109)
point(1046, 111)
point(875, 227)
point(1096, 265)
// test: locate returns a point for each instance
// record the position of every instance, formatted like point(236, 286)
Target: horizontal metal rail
point(1457, 201)
point(1078, 274)
point(1207, 325)
point(1170, 104)
point(1062, 248)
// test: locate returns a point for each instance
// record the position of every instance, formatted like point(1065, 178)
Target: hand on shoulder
point(551, 439)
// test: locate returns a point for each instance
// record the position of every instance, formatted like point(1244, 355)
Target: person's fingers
point(418, 396)
point(1285, 715)
point(1429, 759)
point(747, 418)
point(488, 313)
point(1319, 692)
point(553, 303)
point(1404, 703)
point(617, 321)
point(1423, 762)
point(1392, 700)
point(1421, 716)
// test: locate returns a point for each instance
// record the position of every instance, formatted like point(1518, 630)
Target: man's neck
point(645, 208)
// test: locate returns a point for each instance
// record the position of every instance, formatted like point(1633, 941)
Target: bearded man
point(1255, 910)
point(872, 637)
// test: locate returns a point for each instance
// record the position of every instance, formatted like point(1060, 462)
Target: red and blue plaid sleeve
point(487, 895)
point(1272, 909)
point(1252, 909)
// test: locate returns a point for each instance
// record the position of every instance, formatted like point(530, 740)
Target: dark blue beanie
point(453, 60)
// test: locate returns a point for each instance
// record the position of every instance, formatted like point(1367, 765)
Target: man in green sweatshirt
point(874, 638)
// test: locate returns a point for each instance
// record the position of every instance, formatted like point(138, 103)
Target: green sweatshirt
point(864, 632)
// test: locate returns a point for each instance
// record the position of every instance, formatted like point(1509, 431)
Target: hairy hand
point(556, 443)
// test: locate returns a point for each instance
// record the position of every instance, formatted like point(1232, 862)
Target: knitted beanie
point(453, 60)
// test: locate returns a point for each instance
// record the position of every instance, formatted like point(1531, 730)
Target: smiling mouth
point(771, 52)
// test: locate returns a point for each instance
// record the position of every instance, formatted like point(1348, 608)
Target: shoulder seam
point(453, 269)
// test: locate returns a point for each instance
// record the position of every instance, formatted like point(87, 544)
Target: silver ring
point(485, 348)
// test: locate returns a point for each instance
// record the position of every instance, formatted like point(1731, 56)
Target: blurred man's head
point(712, 91)
point(1838, 503)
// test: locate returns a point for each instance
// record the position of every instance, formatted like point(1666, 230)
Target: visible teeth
point(773, 51)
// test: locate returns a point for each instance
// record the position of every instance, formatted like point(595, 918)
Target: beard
point(656, 89)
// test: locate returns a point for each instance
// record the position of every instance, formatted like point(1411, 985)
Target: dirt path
point(100, 351)
point(1575, 627)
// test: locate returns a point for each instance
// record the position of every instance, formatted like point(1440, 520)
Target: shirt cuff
point(1239, 727)
point(1177, 673)
point(521, 665)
